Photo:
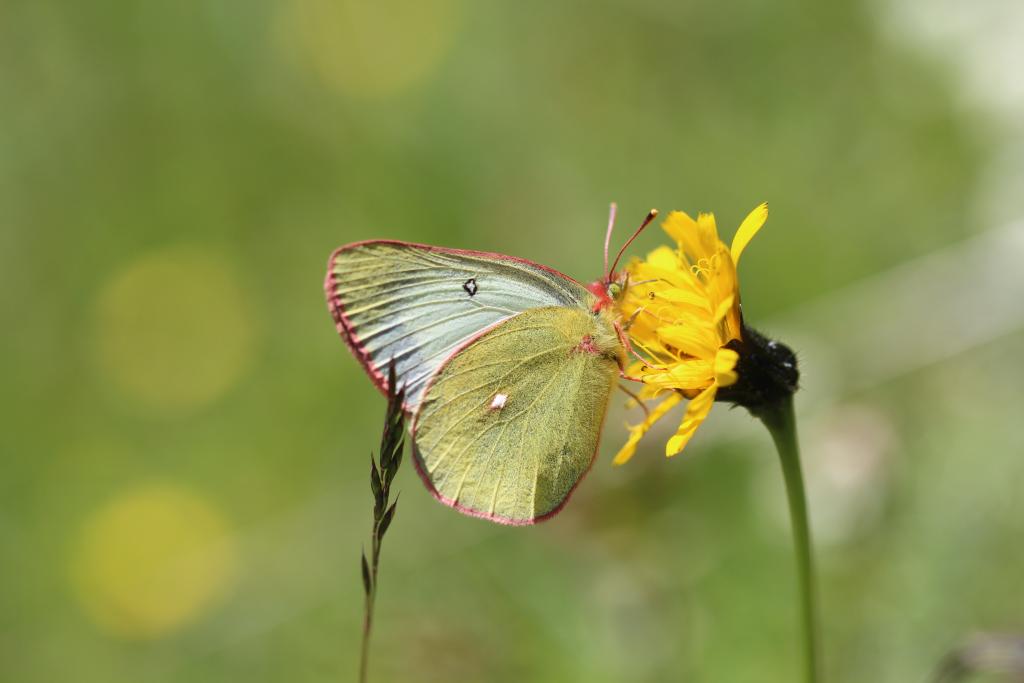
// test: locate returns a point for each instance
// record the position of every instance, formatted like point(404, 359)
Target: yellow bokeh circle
point(151, 561)
point(172, 329)
point(368, 49)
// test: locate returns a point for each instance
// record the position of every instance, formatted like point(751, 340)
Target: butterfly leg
point(639, 401)
point(629, 348)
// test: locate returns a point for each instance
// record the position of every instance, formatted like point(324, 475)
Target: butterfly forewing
point(417, 304)
point(511, 422)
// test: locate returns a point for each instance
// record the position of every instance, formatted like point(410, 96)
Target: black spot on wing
point(470, 286)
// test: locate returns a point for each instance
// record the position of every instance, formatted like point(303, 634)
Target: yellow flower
point(683, 305)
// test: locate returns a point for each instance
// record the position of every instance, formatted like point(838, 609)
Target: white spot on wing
point(499, 401)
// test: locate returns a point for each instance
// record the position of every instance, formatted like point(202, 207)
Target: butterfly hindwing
point(511, 422)
point(417, 304)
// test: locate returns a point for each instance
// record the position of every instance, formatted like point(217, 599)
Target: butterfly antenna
point(651, 215)
point(608, 239)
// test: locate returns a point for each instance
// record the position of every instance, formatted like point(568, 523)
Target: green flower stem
point(781, 424)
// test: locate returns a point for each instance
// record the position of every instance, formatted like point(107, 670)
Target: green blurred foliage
point(257, 136)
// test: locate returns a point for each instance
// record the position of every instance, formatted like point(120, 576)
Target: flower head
point(682, 308)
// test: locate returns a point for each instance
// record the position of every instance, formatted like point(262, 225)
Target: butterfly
point(507, 365)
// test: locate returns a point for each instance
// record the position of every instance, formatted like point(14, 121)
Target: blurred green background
point(185, 439)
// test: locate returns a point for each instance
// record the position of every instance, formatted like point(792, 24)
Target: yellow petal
point(694, 338)
point(637, 433)
point(697, 409)
point(625, 453)
point(725, 361)
point(654, 350)
point(722, 288)
point(665, 268)
point(748, 228)
point(679, 226)
point(724, 306)
point(697, 238)
point(687, 374)
point(679, 296)
point(663, 257)
point(708, 231)
point(649, 393)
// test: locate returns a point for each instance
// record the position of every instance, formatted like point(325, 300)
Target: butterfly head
point(615, 290)
point(609, 290)
point(616, 285)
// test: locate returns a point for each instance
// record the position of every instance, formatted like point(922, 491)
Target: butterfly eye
point(614, 290)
